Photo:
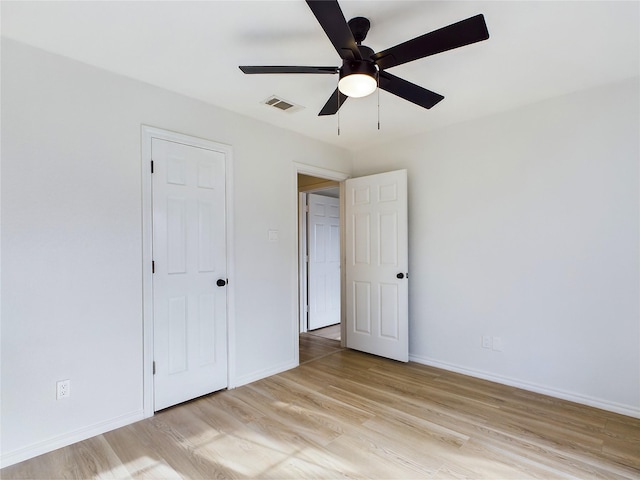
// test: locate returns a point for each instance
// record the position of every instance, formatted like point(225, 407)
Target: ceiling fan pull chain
point(378, 101)
point(338, 109)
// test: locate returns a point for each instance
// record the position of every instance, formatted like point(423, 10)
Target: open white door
point(323, 236)
point(189, 253)
point(376, 265)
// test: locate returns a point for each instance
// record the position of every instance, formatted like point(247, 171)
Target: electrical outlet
point(486, 341)
point(63, 389)
point(497, 344)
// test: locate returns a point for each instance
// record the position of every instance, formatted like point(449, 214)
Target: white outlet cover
point(497, 344)
point(63, 389)
point(273, 235)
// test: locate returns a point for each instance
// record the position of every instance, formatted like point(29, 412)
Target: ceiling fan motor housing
point(366, 66)
point(362, 67)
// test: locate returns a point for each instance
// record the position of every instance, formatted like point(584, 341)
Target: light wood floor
point(313, 347)
point(332, 332)
point(348, 414)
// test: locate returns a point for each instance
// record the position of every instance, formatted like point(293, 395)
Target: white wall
point(525, 226)
point(72, 245)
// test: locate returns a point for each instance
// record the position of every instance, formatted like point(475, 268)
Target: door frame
point(147, 134)
point(299, 262)
point(302, 264)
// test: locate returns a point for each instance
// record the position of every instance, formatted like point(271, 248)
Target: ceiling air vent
point(284, 105)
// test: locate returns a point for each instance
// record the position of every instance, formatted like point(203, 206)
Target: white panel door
point(376, 264)
point(323, 236)
point(189, 253)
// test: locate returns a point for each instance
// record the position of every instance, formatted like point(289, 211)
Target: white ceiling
point(536, 50)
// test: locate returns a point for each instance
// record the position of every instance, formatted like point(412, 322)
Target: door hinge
point(306, 208)
point(154, 367)
point(306, 258)
point(151, 166)
point(153, 266)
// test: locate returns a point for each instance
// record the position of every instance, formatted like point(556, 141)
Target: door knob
point(400, 276)
point(221, 282)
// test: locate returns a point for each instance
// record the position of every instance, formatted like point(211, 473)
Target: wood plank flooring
point(351, 415)
point(332, 332)
point(313, 347)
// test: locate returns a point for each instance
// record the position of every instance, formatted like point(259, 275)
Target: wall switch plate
point(63, 389)
point(497, 344)
point(486, 341)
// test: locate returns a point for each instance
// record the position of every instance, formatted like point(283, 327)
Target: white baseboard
point(60, 441)
point(629, 410)
point(259, 375)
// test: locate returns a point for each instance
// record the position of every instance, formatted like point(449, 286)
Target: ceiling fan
point(363, 70)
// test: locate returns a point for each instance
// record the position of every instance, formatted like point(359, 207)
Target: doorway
point(319, 243)
point(306, 179)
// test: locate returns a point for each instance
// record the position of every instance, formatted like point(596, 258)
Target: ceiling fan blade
point(465, 32)
point(332, 21)
point(287, 69)
point(409, 91)
point(332, 106)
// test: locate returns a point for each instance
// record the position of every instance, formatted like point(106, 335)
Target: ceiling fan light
point(357, 85)
point(358, 78)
